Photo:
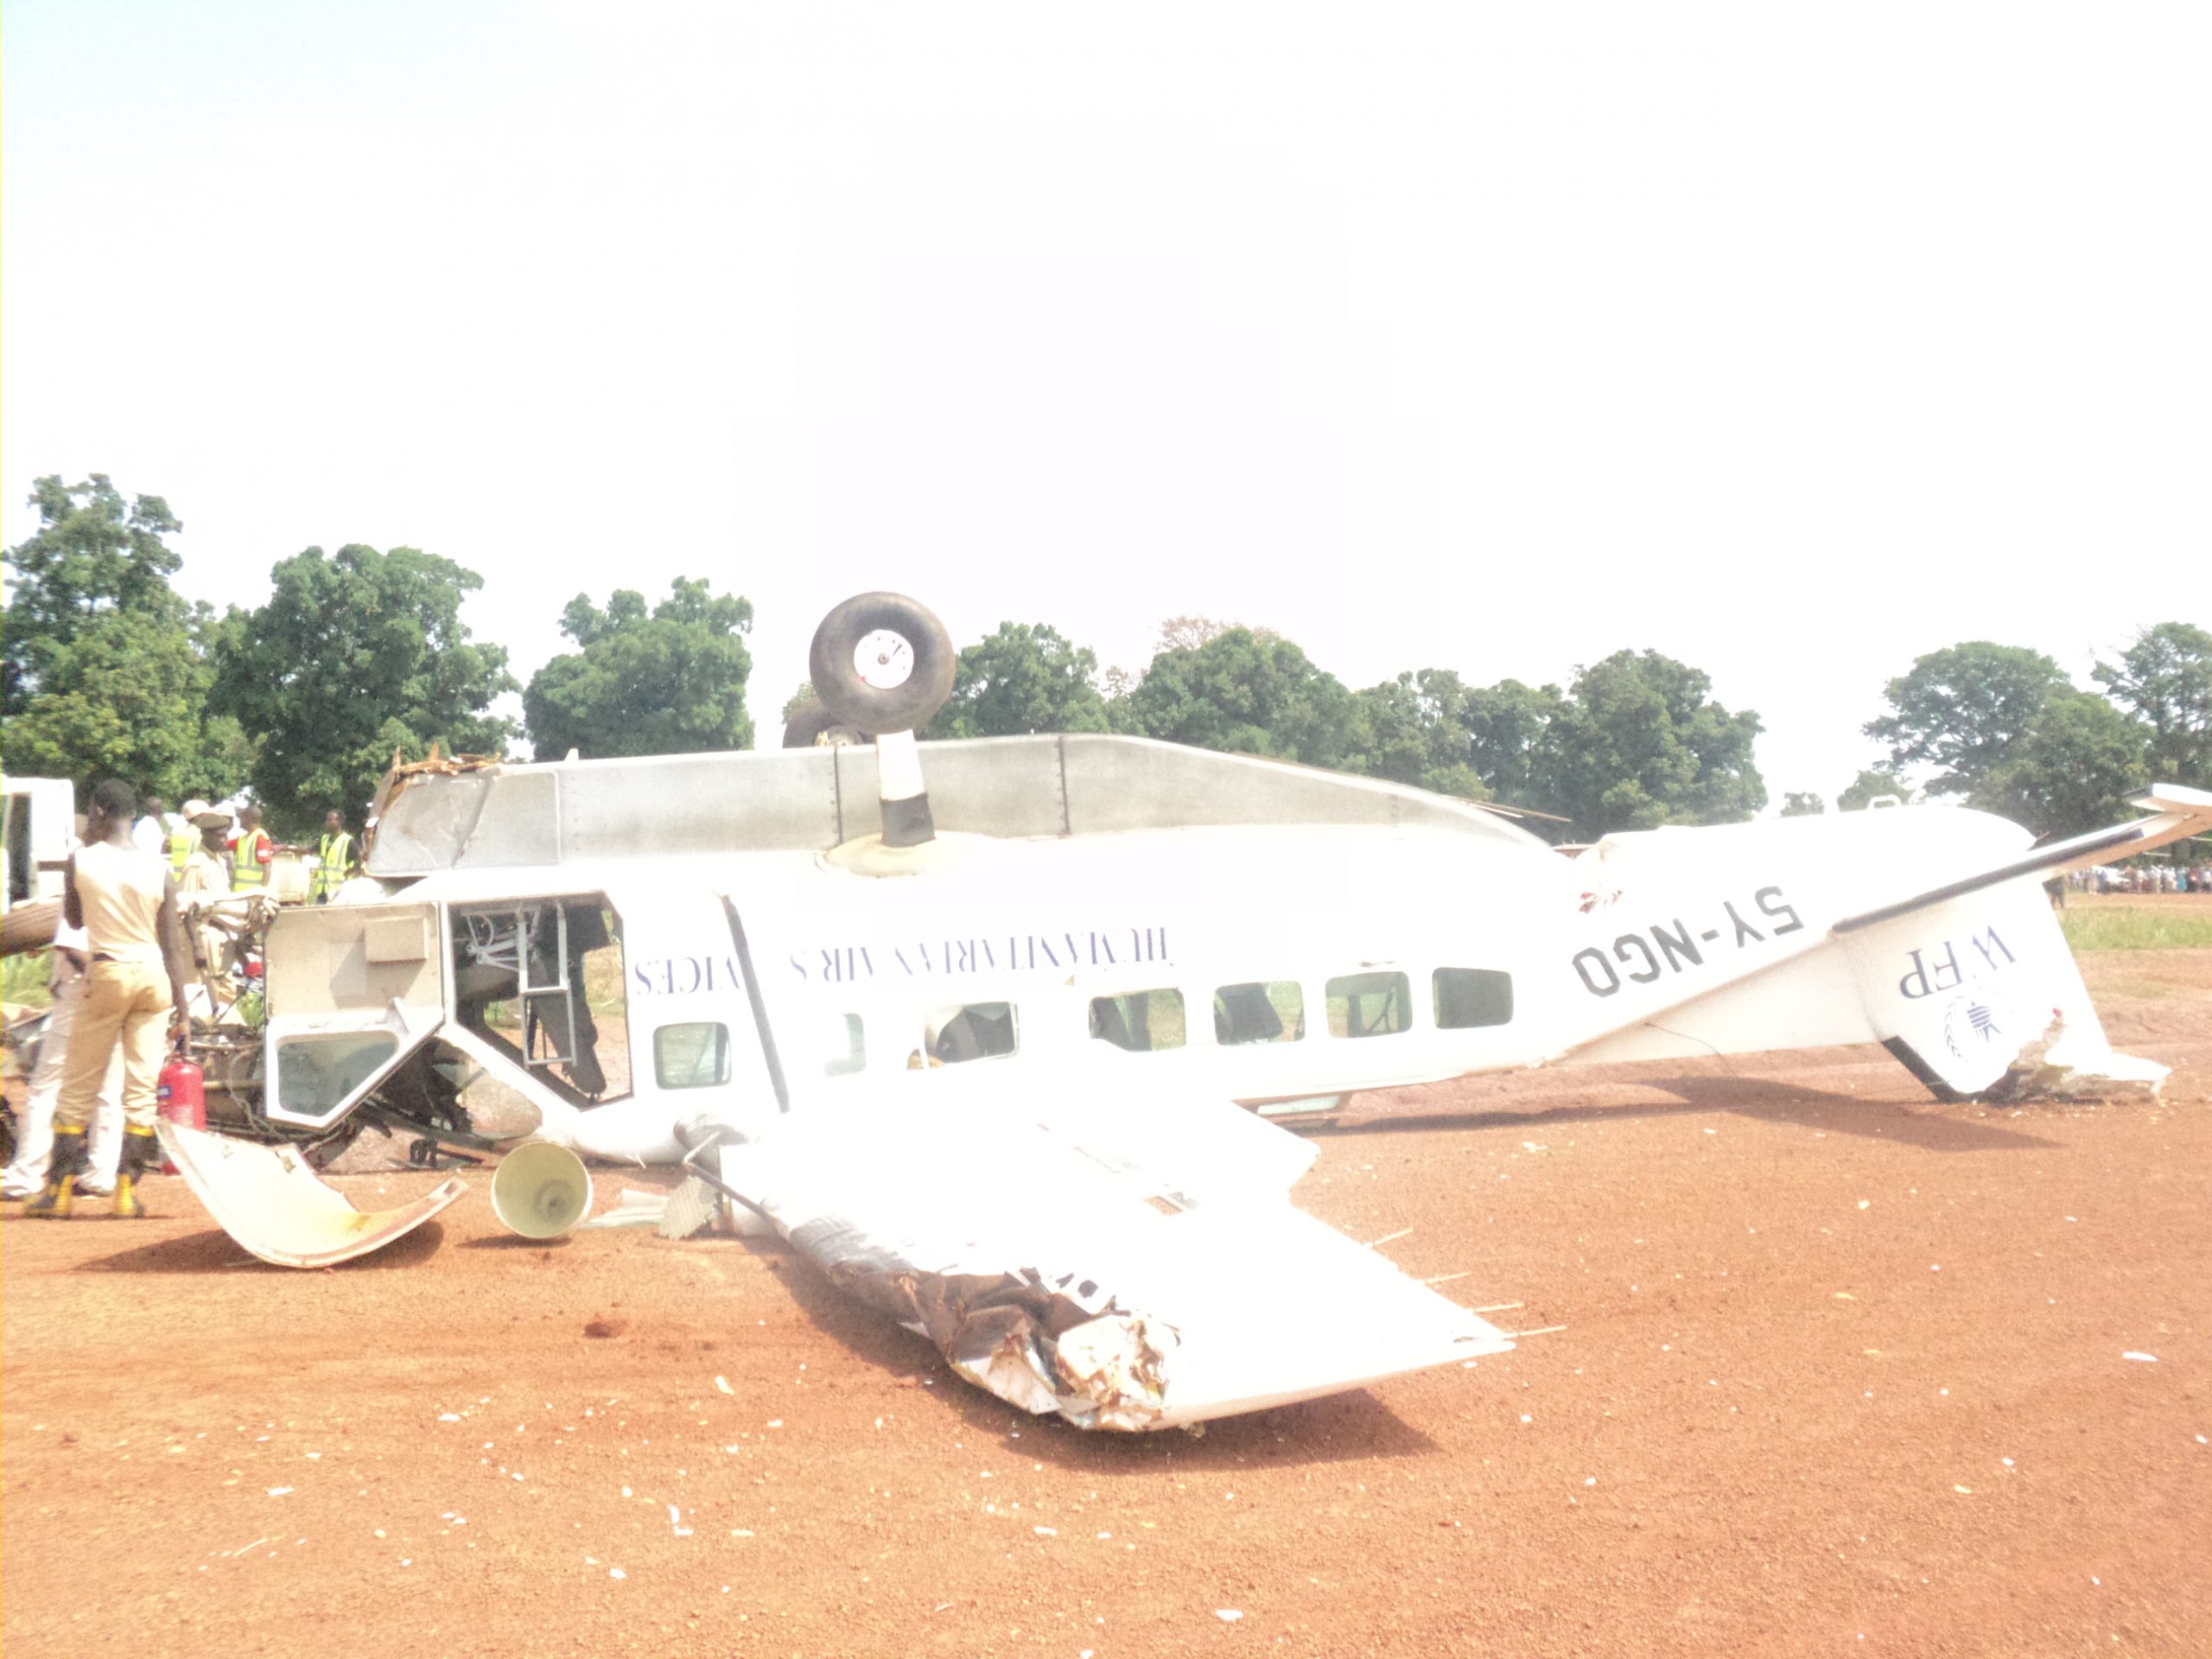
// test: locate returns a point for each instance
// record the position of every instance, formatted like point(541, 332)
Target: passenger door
point(353, 990)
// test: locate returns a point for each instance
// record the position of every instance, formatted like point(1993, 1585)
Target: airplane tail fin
point(1970, 983)
point(1962, 990)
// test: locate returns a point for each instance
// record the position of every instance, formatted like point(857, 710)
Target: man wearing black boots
point(124, 900)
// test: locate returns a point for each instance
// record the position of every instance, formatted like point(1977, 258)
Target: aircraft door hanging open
point(353, 990)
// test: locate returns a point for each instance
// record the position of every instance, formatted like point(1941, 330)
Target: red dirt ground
point(1843, 1372)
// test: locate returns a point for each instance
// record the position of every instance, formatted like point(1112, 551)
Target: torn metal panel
point(271, 1201)
point(1052, 1270)
point(2072, 1066)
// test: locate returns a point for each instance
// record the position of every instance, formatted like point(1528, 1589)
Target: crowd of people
point(136, 899)
point(2142, 878)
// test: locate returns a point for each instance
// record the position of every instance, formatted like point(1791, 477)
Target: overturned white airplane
point(982, 1050)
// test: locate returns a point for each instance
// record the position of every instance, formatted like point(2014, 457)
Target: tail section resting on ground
point(1968, 979)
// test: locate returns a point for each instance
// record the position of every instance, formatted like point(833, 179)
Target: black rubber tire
point(871, 708)
point(811, 724)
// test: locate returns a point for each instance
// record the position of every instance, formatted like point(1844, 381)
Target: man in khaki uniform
point(126, 900)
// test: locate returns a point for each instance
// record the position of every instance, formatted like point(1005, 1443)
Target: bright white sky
point(1793, 342)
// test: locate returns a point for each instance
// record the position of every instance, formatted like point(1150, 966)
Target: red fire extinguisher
point(181, 1096)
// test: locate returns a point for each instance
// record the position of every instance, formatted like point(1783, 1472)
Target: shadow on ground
point(1760, 1098)
point(217, 1252)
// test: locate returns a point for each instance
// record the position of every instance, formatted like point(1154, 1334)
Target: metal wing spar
point(1054, 1267)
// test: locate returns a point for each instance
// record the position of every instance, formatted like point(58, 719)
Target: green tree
point(2071, 770)
point(1870, 785)
point(1507, 724)
point(1414, 730)
point(1026, 677)
point(1247, 692)
point(668, 682)
point(1963, 709)
point(105, 671)
point(2165, 679)
point(1637, 743)
point(1798, 803)
point(353, 657)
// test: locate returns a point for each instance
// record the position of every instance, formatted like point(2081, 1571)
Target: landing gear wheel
point(881, 663)
point(813, 726)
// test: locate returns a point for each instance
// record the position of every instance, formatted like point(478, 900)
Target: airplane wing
point(1054, 1262)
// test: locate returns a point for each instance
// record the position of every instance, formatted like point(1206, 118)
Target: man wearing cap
point(205, 879)
point(184, 834)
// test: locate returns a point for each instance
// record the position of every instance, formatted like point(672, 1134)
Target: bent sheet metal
point(270, 1201)
point(1054, 1268)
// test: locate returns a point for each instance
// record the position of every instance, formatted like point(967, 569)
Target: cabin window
point(314, 1073)
point(1369, 1005)
point(537, 978)
point(846, 1046)
point(1139, 1020)
point(693, 1056)
point(1467, 997)
point(1259, 1011)
point(973, 1031)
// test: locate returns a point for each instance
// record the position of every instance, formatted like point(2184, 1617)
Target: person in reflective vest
point(184, 834)
point(334, 859)
point(251, 853)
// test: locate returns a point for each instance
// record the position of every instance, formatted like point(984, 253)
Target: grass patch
point(2136, 927)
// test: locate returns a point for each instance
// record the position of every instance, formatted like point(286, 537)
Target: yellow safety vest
point(334, 857)
point(248, 872)
point(181, 841)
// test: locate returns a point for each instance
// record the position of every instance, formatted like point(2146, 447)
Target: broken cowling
point(883, 663)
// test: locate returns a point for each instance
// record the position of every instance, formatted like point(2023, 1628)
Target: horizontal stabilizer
point(2179, 813)
point(271, 1201)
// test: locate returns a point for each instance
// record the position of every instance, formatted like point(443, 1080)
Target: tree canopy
point(671, 681)
point(2165, 679)
point(106, 674)
point(1026, 677)
point(1245, 691)
point(1632, 743)
point(1870, 786)
point(2071, 770)
point(1414, 730)
point(1961, 710)
point(355, 656)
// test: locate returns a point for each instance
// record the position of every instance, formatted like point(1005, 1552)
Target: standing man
point(251, 852)
point(126, 903)
point(35, 1145)
point(333, 858)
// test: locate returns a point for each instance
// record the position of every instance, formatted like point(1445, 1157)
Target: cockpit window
point(541, 979)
